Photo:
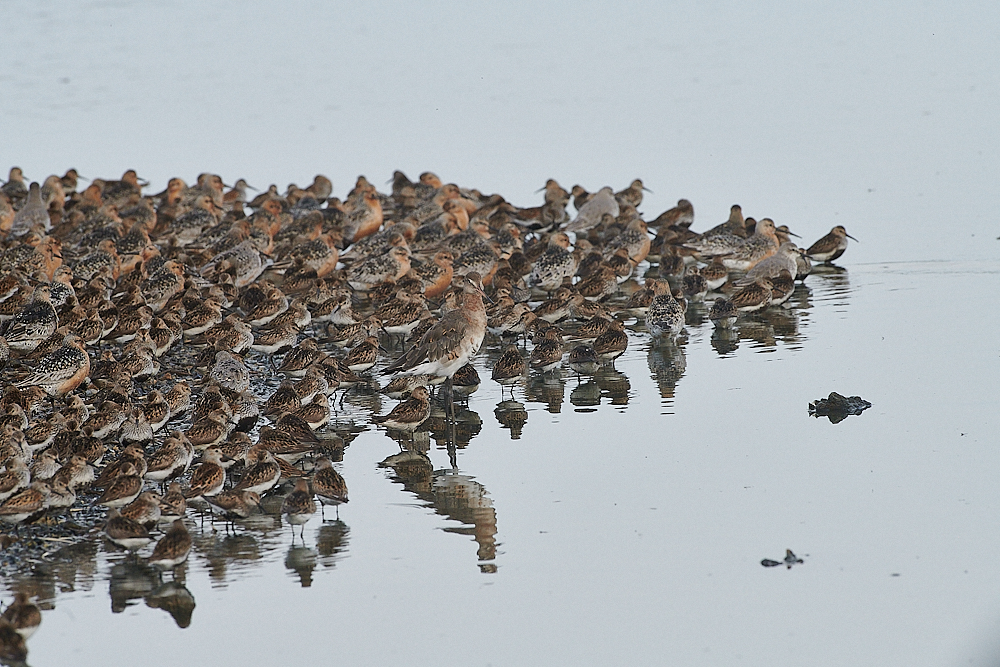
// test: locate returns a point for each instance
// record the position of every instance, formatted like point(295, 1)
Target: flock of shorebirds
point(98, 284)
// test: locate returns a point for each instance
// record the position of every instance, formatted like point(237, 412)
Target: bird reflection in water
point(463, 499)
point(173, 598)
point(132, 580)
point(830, 284)
point(766, 328)
point(332, 539)
point(221, 553)
point(547, 388)
point(604, 383)
point(695, 314)
point(512, 416)
point(467, 425)
point(614, 385)
point(586, 396)
point(725, 341)
point(301, 560)
point(667, 363)
point(453, 495)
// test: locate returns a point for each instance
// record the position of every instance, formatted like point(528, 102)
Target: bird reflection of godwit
point(463, 499)
point(452, 495)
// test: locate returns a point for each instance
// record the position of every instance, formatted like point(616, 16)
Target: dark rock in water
point(790, 560)
point(837, 408)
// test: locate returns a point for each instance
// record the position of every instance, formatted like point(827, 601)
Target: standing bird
point(328, 485)
point(831, 246)
point(665, 316)
point(681, 215)
point(453, 341)
point(510, 368)
point(125, 532)
point(363, 356)
point(124, 489)
point(233, 504)
point(612, 343)
point(632, 195)
point(62, 370)
point(755, 296)
point(723, 313)
point(209, 477)
point(299, 505)
point(230, 372)
point(410, 414)
point(590, 214)
point(262, 474)
point(547, 353)
point(583, 359)
point(33, 216)
point(25, 503)
point(555, 263)
point(35, 322)
point(173, 548)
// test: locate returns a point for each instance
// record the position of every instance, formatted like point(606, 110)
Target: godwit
point(453, 341)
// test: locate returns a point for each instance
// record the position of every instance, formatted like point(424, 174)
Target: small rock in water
point(837, 408)
point(790, 560)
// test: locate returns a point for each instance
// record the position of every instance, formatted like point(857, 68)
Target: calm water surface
point(625, 514)
point(621, 517)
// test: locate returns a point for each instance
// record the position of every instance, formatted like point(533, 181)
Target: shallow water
point(628, 516)
point(623, 517)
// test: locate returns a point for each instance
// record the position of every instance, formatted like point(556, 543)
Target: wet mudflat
point(629, 515)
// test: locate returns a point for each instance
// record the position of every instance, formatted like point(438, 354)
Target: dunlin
point(754, 296)
point(234, 504)
point(299, 506)
point(123, 489)
point(831, 246)
point(25, 503)
point(145, 509)
point(555, 264)
point(209, 476)
point(510, 368)
point(328, 485)
point(612, 343)
point(173, 548)
point(126, 532)
point(723, 313)
point(548, 353)
point(408, 415)
point(261, 474)
point(665, 316)
point(34, 323)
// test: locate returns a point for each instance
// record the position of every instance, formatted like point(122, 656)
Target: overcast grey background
point(878, 116)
